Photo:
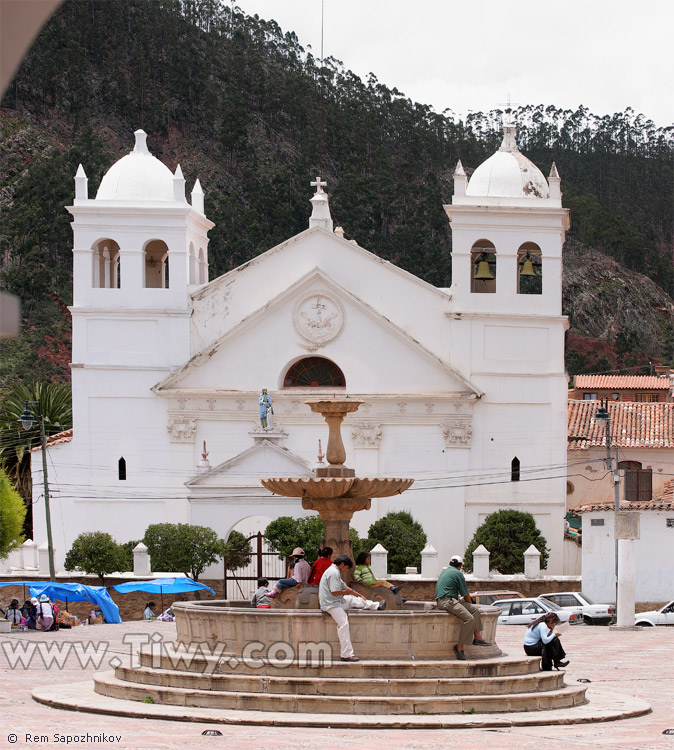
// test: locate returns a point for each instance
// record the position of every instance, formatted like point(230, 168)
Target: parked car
point(593, 614)
point(662, 616)
point(524, 611)
point(487, 597)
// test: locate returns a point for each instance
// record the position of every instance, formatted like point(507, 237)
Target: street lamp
point(27, 421)
point(602, 415)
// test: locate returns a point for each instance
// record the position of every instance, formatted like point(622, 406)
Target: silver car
point(577, 601)
point(525, 611)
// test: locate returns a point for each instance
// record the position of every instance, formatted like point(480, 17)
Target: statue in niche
point(266, 409)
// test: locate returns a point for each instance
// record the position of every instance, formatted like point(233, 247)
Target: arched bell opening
point(483, 267)
point(156, 257)
point(106, 268)
point(193, 266)
point(529, 269)
point(202, 267)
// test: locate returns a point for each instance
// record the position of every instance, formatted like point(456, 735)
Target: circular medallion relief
point(319, 318)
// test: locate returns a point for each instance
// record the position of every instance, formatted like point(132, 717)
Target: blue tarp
point(73, 592)
point(163, 586)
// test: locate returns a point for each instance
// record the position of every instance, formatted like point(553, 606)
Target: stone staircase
point(372, 687)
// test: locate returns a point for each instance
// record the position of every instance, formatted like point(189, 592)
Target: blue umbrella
point(163, 585)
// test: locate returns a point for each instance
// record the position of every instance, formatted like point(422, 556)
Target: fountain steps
point(342, 686)
point(109, 685)
point(503, 666)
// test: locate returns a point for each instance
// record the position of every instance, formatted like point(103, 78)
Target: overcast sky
point(469, 55)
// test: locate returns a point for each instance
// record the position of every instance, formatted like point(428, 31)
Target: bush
point(12, 513)
point(98, 553)
point(286, 533)
point(183, 548)
point(507, 534)
point(402, 536)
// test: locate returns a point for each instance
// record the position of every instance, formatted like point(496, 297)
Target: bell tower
point(507, 332)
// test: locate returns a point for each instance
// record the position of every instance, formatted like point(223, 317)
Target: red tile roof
point(633, 425)
point(622, 382)
point(58, 437)
point(662, 502)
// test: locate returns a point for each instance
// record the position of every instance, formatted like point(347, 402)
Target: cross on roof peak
point(508, 114)
point(319, 184)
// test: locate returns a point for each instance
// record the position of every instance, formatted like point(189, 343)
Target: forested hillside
point(243, 106)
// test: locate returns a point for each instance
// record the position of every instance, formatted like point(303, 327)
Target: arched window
point(638, 481)
point(314, 372)
point(156, 265)
point(106, 265)
point(121, 469)
point(483, 267)
point(529, 269)
point(515, 470)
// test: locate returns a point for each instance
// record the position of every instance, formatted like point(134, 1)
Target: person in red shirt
point(320, 566)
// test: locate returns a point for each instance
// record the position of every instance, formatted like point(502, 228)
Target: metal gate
point(242, 583)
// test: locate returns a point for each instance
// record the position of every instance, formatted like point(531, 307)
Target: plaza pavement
point(632, 663)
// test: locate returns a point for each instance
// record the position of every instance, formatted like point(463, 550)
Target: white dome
point(137, 176)
point(508, 174)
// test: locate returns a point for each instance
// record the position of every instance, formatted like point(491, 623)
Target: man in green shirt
point(450, 588)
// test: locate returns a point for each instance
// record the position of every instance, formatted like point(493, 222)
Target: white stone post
point(625, 615)
point(379, 561)
point(532, 563)
point(43, 559)
point(429, 562)
point(29, 554)
point(481, 562)
point(141, 560)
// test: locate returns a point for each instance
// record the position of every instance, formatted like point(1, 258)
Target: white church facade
point(463, 389)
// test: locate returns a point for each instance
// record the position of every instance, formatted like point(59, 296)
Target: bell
point(527, 268)
point(483, 271)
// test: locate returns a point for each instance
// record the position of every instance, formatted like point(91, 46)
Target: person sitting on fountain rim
point(334, 596)
point(363, 574)
point(260, 599)
point(300, 573)
point(450, 588)
point(540, 639)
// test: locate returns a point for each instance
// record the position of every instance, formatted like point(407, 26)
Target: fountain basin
point(417, 631)
point(362, 488)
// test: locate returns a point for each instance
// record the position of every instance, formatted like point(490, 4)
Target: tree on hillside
point(507, 534)
point(402, 536)
point(98, 553)
point(12, 512)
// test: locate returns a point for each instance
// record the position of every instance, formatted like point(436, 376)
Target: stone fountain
point(246, 662)
point(336, 493)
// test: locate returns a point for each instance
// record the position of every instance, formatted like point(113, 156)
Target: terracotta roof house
point(642, 388)
point(642, 434)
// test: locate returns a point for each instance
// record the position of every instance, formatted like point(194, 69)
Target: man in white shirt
point(334, 597)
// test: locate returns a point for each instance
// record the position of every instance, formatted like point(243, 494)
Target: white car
point(662, 616)
point(525, 611)
point(577, 601)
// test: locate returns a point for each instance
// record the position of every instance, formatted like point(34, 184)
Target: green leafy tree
point(402, 536)
point(98, 553)
point(237, 551)
point(183, 548)
point(286, 533)
point(15, 442)
point(12, 513)
point(507, 534)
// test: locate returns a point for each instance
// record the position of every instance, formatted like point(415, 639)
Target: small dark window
point(596, 522)
point(638, 481)
point(314, 372)
point(515, 470)
point(121, 469)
